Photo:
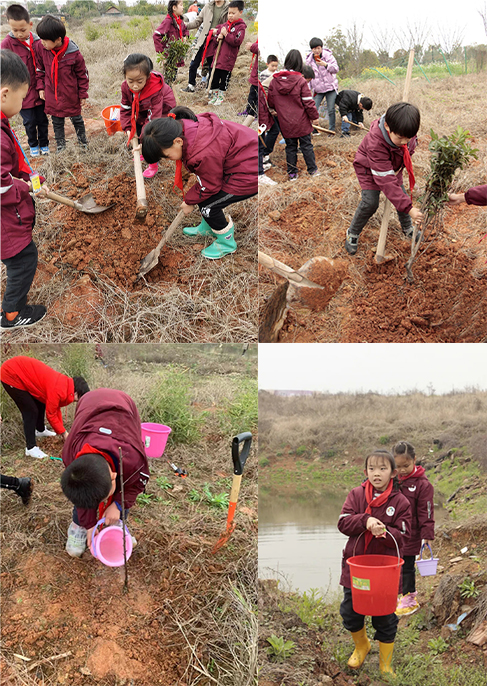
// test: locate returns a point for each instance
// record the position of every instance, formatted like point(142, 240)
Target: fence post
point(465, 51)
point(447, 65)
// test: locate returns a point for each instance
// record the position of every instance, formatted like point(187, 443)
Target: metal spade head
point(88, 204)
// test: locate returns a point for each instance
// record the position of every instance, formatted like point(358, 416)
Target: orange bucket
point(111, 117)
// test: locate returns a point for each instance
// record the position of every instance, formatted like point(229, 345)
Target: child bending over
point(351, 105)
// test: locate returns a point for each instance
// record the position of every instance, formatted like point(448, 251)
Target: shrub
point(384, 440)
point(264, 462)
point(77, 360)
point(241, 413)
point(279, 648)
point(92, 32)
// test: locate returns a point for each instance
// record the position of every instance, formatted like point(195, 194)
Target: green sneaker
point(212, 96)
point(219, 98)
point(203, 229)
point(223, 245)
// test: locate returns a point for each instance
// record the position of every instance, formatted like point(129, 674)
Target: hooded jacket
point(325, 79)
point(395, 514)
point(72, 80)
point(222, 154)
point(149, 108)
point(107, 419)
point(254, 72)
point(168, 99)
point(52, 388)
point(379, 163)
point(420, 493)
point(204, 19)
point(10, 42)
point(348, 101)
point(167, 32)
point(230, 45)
point(290, 97)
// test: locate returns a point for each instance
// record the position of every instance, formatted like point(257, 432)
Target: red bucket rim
point(387, 561)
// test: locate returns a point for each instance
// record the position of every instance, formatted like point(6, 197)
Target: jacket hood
point(287, 81)
point(384, 132)
point(210, 125)
point(34, 35)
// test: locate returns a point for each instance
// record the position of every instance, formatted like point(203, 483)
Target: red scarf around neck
point(374, 502)
point(153, 85)
point(88, 449)
point(179, 24)
point(409, 167)
point(30, 46)
point(58, 54)
point(23, 166)
point(417, 471)
point(178, 175)
point(208, 39)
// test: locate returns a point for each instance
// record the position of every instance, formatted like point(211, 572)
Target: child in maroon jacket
point(172, 28)
point(142, 98)
point(371, 510)
point(18, 250)
point(105, 421)
point(290, 96)
point(222, 155)
point(21, 40)
point(62, 79)
point(420, 493)
point(231, 35)
point(252, 101)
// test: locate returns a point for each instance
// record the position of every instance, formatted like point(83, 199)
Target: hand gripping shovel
point(86, 204)
point(239, 458)
point(150, 260)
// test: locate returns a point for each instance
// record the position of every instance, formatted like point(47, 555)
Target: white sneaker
point(76, 543)
point(266, 181)
point(35, 452)
point(266, 159)
point(46, 432)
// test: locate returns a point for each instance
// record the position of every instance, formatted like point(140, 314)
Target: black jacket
point(347, 101)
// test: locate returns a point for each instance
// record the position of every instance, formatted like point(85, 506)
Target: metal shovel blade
point(150, 260)
point(89, 205)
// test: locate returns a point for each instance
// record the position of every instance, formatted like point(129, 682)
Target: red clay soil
point(325, 274)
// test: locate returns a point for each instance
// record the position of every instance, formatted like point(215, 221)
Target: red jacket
point(149, 108)
point(230, 44)
point(290, 96)
point(379, 163)
point(420, 492)
point(167, 32)
point(222, 154)
point(32, 98)
point(72, 80)
point(17, 206)
point(168, 99)
point(114, 412)
point(254, 72)
point(395, 514)
point(476, 195)
point(52, 388)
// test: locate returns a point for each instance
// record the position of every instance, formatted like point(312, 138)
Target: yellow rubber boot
point(385, 658)
point(362, 648)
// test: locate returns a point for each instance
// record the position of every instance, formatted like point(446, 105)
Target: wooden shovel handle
point(214, 64)
point(283, 270)
point(61, 199)
point(139, 179)
point(320, 128)
point(171, 230)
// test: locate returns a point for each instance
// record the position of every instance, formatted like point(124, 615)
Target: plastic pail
point(107, 545)
point(111, 117)
point(155, 438)
point(427, 567)
point(375, 583)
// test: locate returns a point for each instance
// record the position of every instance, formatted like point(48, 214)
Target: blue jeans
point(352, 116)
point(330, 96)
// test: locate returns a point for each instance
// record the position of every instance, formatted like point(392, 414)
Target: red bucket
point(111, 117)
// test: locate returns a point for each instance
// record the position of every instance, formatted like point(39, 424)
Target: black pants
point(36, 126)
point(409, 574)
point(253, 100)
point(32, 411)
point(21, 269)
point(368, 206)
point(212, 208)
point(221, 79)
point(292, 154)
point(195, 63)
point(271, 137)
point(10, 482)
point(262, 152)
point(385, 627)
point(79, 127)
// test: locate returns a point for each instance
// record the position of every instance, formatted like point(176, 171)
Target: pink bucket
point(155, 438)
point(107, 545)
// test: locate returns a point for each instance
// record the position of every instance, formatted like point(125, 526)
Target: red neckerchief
point(208, 39)
point(409, 166)
point(87, 448)
point(30, 46)
point(153, 85)
point(23, 166)
point(374, 502)
point(55, 63)
point(178, 176)
point(417, 471)
point(179, 24)
point(252, 61)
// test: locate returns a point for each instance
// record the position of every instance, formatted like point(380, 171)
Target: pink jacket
point(149, 108)
point(222, 154)
point(72, 80)
point(32, 98)
point(379, 163)
point(420, 492)
point(325, 77)
point(290, 96)
point(230, 44)
point(167, 32)
point(254, 74)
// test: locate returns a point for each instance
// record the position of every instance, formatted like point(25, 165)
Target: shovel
point(210, 80)
point(285, 271)
point(320, 128)
point(239, 458)
point(151, 260)
point(85, 204)
point(142, 207)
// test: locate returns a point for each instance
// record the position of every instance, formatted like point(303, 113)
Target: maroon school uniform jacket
point(149, 108)
point(420, 492)
point(379, 163)
point(72, 81)
point(168, 99)
point(18, 212)
point(266, 120)
point(395, 514)
point(476, 195)
point(166, 32)
point(290, 96)
point(222, 154)
point(230, 44)
point(254, 72)
point(32, 98)
point(107, 419)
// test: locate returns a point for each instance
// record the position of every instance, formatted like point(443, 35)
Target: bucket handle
point(387, 532)
point(99, 523)
point(422, 548)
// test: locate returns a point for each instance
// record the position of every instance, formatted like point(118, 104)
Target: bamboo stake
point(122, 491)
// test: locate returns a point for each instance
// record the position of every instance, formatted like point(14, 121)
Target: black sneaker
point(351, 243)
point(29, 315)
point(61, 147)
point(24, 489)
point(409, 234)
point(189, 89)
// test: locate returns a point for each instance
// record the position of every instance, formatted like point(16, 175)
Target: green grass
point(451, 476)
point(240, 413)
point(305, 476)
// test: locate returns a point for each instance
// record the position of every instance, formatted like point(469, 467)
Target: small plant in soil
point(437, 646)
point(174, 53)
point(144, 499)
point(468, 589)
point(164, 483)
point(219, 500)
point(279, 648)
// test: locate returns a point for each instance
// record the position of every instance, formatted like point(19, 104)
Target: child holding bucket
point(105, 421)
point(370, 511)
point(420, 493)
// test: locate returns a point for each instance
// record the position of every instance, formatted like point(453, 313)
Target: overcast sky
point(378, 367)
point(285, 25)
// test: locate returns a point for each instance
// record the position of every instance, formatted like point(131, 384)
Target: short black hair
point(159, 134)
point(86, 482)
point(366, 102)
point(182, 112)
point(403, 119)
point(51, 28)
point(315, 42)
point(272, 58)
point(294, 61)
point(308, 72)
point(404, 448)
point(17, 13)
point(13, 72)
point(239, 4)
point(138, 61)
point(80, 386)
